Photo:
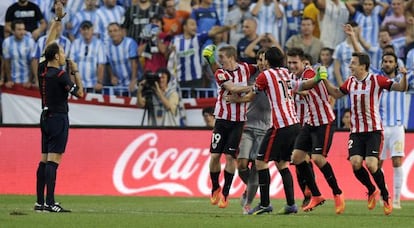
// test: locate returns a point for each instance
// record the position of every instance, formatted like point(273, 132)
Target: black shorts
point(226, 137)
point(55, 129)
point(277, 144)
point(315, 139)
point(366, 144)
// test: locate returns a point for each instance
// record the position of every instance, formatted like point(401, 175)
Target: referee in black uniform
point(54, 86)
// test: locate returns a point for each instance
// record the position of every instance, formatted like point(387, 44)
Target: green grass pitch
point(111, 211)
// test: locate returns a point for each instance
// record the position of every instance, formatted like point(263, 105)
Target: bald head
point(249, 27)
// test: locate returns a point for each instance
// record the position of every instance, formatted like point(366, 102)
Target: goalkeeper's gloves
point(209, 53)
point(321, 74)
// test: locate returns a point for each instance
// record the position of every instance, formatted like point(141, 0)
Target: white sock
point(398, 180)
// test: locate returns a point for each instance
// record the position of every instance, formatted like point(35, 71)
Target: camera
point(150, 31)
point(149, 85)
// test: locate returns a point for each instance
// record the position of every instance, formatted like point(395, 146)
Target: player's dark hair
point(363, 59)
point(260, 51)
point(51, 50)
point(295, 52)
point(275, 57)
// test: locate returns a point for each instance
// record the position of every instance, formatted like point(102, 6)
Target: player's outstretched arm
point(402, 85)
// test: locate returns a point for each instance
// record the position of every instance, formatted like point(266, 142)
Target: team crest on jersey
point(221, 76)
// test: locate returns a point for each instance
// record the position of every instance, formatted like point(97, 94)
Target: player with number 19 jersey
point(240, 76)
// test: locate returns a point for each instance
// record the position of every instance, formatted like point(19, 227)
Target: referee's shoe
point(55, 208)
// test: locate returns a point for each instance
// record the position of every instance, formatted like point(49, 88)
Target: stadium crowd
point(117, 43)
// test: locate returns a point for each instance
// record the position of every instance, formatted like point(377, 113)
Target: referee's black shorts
point(55, 129)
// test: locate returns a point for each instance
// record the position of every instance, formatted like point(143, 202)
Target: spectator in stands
point(50, 14)
point(410, 60)
point(138, 15)
point(4, 5)
point(342, 55)
point(346, 119)
point(185, 60)
point(122, 58)
point(236, 17)
point(107, 14)
point(208, 116)
point(74, 6)
point(332, 15)
point(173, 18)
point(159, 100)
point(395, 22)
point(86, 14)
point(63, 41)
point(88, 52)
point(325, 59)
point(154, 45)
point(409, 37)
point(270, 19)
point(17, 54)
point(293, 13)
point(375, 50)
point(310, 11)
point(206, 17)
point(305, 40)
point(373, 12)
point(249, 31)
point(266, 41)
point(409, 9)
point(45, 7)
point(31, 16)
point(222, 8)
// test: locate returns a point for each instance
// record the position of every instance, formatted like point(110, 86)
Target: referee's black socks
point(41, 182)
point(51, 168)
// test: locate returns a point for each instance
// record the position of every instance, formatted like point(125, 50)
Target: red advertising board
point(147, 162)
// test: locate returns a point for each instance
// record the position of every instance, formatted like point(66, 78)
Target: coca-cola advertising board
point(149, 162)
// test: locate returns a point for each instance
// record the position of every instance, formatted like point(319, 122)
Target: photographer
point(158, 98)
point(154, 45)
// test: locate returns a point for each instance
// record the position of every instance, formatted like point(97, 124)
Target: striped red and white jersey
point(301, 107)
point(320, 111)
point(279, 88)
point(240, 77)
point(365, 101)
